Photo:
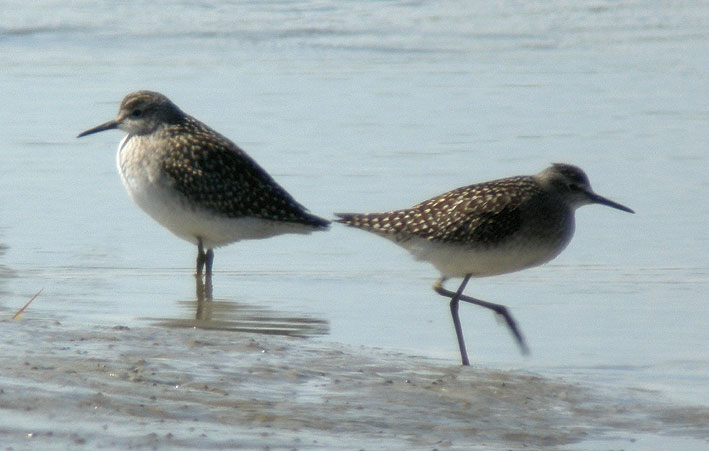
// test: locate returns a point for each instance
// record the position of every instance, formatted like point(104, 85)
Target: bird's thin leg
point(209, 259)
point(497, 308)
point(201, 258)
point(455, 297)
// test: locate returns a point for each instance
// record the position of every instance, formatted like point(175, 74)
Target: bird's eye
point(136, 113)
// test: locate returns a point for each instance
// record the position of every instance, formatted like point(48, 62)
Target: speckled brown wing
point(216, 174)
point(485, 213)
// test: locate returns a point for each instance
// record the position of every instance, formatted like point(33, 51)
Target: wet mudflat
point(134, 387)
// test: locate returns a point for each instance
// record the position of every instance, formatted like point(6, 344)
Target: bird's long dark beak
point(110, 125)
point(596, 199)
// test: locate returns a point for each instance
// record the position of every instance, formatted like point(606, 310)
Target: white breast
point(152, 190)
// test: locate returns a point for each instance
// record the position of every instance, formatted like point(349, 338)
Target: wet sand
point(154, 387)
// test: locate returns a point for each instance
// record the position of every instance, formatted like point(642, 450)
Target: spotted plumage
point(197, 183)
point(216, 174)
point(475, 215)
point(488, 228)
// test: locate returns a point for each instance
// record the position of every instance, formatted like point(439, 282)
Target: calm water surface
point(358, 106)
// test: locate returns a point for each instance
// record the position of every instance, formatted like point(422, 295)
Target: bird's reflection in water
point(5, 272)
point(208, 313)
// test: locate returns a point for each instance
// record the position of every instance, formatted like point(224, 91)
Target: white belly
point(148, 188)
point(458, 261)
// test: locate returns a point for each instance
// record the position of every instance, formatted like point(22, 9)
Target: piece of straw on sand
point(22, 310)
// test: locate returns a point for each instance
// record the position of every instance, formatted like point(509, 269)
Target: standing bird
point(195, 182)
point(487, 229)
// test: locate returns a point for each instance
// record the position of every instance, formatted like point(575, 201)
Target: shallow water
point(356, 106)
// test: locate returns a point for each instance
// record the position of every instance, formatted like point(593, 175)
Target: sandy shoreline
point(154, 387)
